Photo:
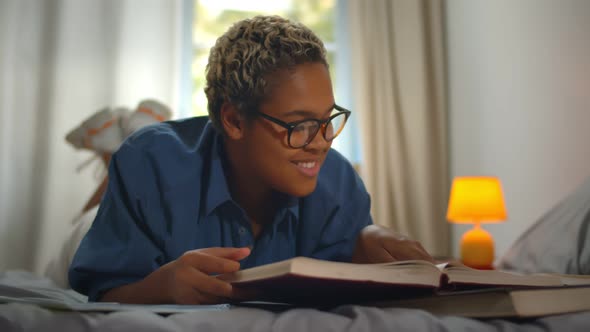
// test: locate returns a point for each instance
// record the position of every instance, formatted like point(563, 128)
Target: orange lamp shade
point(476, 199)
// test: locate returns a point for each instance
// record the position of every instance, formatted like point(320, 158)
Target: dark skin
point(260, 149)
point(260, 164)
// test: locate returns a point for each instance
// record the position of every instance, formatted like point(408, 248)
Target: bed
point(20, 317)
point(534, 251)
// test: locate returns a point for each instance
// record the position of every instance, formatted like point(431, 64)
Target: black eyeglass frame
point(290, 126)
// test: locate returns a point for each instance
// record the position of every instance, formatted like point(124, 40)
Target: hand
point(189, 279)
point(377, 244)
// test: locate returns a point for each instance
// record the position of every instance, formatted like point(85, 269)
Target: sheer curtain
point(60, 61)
point(398, 79)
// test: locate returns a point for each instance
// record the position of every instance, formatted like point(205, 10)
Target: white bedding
point(20, 317)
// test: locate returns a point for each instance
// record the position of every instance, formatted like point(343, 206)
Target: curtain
point(399, 79)
point(60, 61)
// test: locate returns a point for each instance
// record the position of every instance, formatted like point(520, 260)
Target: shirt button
point(242, 230)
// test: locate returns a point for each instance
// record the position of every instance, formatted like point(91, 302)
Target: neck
point(256, 200)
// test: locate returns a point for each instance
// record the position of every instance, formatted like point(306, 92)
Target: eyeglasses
point(301, 133)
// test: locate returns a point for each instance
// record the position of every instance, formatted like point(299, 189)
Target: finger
point(229, 253)
point(207, 284)
point(206, 298)
point(194, 296)
point(409, 251)
point(426, 256)
point(421, 253)
point(378, 254)
point(402, 253)
point(189, 296)
point(208, 263)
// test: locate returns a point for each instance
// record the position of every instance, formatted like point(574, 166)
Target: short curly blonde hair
point(242, 59)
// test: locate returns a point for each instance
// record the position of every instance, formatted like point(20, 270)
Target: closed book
point(501, 303)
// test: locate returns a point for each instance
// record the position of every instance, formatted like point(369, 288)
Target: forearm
point(150, 290)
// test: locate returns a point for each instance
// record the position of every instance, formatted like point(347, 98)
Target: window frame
point(345, 144)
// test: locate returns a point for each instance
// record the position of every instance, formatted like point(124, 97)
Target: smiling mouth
point(306, 164)
point(308, 168)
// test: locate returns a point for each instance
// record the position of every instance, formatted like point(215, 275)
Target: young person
point(256, 184)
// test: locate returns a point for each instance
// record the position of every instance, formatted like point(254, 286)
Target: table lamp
point(476, 200)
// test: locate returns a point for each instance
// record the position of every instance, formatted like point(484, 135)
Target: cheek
point(271, 163)
point(283, 176)
point(270, 156)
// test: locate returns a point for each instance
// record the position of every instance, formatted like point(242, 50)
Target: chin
point(302, 188)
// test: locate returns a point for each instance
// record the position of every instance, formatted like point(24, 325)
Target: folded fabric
point(57, 269)
point(147, 112)
point(559, 242)
point(101, 132)
point(105, 130)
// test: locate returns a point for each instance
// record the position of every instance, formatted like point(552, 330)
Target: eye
point(305, 126)
point(300, 128)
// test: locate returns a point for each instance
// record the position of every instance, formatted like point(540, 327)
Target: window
point(211, 18)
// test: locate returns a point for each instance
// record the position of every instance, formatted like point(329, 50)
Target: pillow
point(57, 269)
point(557, 243)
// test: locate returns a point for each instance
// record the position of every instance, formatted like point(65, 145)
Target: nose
point(319, 142)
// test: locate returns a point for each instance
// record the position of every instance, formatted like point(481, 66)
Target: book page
point(453, 263)
point(460, 274)
point(415, 262)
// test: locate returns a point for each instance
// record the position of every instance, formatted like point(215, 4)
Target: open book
point(310, 281)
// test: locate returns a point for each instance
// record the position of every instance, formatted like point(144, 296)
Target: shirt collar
point(289, 204)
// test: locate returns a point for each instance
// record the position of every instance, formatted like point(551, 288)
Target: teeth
point(306, 165)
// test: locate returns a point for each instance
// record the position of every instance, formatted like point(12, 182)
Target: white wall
point(519, 84)
point(60, 61)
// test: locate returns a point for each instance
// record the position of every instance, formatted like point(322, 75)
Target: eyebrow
point(306, 113)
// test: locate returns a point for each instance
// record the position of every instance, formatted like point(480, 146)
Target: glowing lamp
point(476, 200)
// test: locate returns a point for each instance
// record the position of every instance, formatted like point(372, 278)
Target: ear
point(232, 121)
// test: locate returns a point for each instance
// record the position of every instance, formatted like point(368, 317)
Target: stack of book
point(448, 288)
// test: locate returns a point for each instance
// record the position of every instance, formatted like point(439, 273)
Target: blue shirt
point(167, 194)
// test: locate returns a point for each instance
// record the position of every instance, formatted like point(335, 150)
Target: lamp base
point(477, 248)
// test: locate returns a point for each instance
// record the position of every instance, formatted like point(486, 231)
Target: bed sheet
point(21, 317)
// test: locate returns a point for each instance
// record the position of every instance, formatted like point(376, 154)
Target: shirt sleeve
point(119, 248)
point(347, 204)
